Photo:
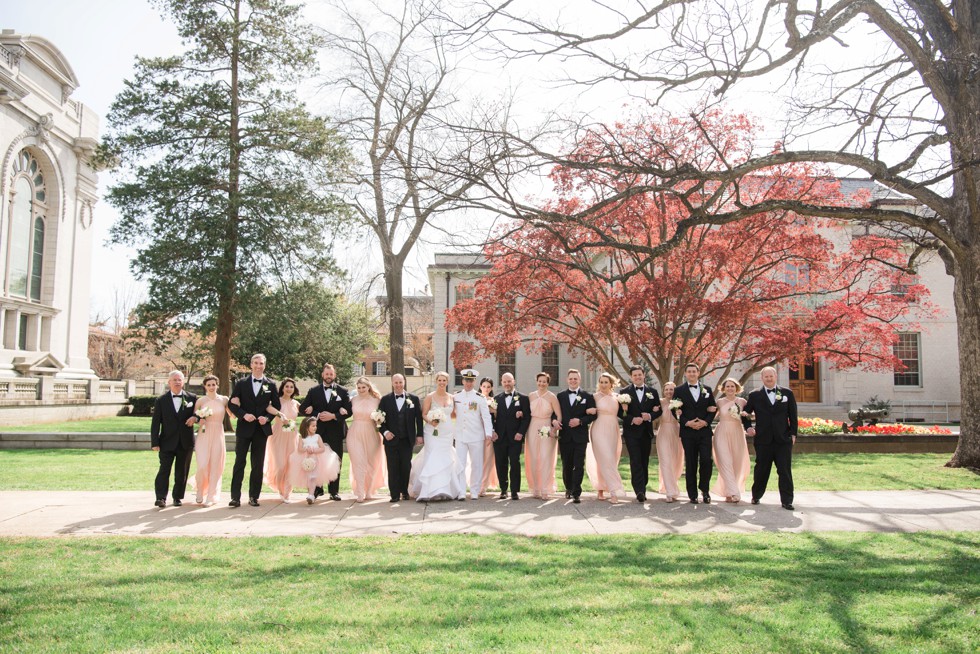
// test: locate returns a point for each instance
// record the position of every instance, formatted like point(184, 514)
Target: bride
point(435, 472)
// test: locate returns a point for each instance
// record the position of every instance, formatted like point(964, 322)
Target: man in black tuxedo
point(638, 418)
point(330, 403)
point(249, 401)
point(774, 435)
point(696, 414)
point(402, 431)
point(574, 437)
point(509, 429)
point(172, 436)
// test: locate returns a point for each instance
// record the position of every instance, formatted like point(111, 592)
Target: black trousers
point(572, 464)
point(398, 452)
point(335, 443)
point(252, 447)
point(180, 461)
point(639, 447)
point(697, 459)
point(781, 454)
point(507, 452)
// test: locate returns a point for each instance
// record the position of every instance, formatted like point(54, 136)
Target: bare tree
point(399, 114)
point(899, 106)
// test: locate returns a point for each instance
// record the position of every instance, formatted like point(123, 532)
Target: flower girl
point(312, 464)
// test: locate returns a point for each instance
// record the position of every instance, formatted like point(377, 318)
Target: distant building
point(417, 324)
point(47, 194)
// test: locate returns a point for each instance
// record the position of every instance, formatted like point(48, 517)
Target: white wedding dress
point(435, 471)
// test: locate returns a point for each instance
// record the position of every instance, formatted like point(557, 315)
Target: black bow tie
point(178, 396)
point(399, 397)
point(770, 390)
point(639, 388)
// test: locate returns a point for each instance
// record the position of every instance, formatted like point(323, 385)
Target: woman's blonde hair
point(613, 382)
point(372, 391)
point(738, 387)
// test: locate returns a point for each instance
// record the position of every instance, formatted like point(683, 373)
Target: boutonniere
point(265, 388)
point(183, 400)
point(779, 396)
point(649, 396)
point(581, 400)
point(707, 392)
point(409, 404)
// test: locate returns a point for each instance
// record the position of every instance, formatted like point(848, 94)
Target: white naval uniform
point(473, 427)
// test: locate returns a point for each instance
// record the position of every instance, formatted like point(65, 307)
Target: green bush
point(142, 404)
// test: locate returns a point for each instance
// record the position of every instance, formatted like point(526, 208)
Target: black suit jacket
point(691, 409)
point(249, 402)
point(773, 422)
point(339, 399)
point(506, 423)
point(168, 428)
point(585, 402)
point(634, 409)
point(405, 424)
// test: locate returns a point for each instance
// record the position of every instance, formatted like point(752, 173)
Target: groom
point(249, 400)
point(510, 427)
point(696, 414)
point(402, 431)
point(638, 418)
point(331, 405)
point(775, 432)
point(573, 440)
point(172, 436)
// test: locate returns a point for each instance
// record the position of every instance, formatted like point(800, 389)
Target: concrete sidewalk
point(49, 513)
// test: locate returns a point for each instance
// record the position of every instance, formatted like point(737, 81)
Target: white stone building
point(47, 194)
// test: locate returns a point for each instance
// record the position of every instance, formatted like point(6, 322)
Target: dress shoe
point(393, 500)
point(317, 493)
point(160, 503)
point(178, 503)
point(335, 497)
point(788, 507)
point(253, 502)
point(514, 496)
point(755, 500)
point(641, 498)
point(694, 500)
point(309, 499)
point(234, 504)
point(568, 495)
point(405, 496)
point(199, 500)
point(576, 500)
point(706, 498)
point(503, 496)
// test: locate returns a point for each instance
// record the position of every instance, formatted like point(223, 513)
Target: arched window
point(27, 228)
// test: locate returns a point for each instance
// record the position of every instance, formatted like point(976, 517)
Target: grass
point(702, 593)
point(113, 425)
point(135, 470)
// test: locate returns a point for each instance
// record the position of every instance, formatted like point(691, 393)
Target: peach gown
point(489, 479)
point(730, 451)
point(670, 453)
point(605, 447)
point(280, 446)
point(327, 464)
point(209, 449)
point(367, 454)
point(540, 453)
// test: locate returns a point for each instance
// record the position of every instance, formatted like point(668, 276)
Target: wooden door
point(805, 381)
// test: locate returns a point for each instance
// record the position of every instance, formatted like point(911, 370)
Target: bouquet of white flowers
point(735, 411)
point(624, 398)
point(288, 424)
point(435, 416)
point(675, 404)
point(492, 403)
point(378, 416)
point(309, 464)
point(202, 413)
point(544, 432)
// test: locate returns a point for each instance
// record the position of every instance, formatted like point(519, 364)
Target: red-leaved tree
point(733, 297)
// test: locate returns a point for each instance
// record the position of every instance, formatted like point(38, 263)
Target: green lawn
point(135, 470)
point(115, 424)
point(704, 593)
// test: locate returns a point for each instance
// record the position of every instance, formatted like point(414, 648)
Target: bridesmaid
point(367, 453)
point(670, 453)
point(605, 443)
point(282, 443)
point(489, 459)
point(730, 450)
point(209, 447)
point(541, 452)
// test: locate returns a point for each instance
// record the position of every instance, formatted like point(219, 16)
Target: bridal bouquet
point(435, 416)
point(309, 463)
point(675, 404)
point(204, 412)
point(734, 411)
point(492, 403)
point(623, 398)
point(378, 416)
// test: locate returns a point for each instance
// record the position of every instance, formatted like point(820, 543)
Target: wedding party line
point(473, 440)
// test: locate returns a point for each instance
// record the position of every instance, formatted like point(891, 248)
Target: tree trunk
point(966, 297)
point(396, 315)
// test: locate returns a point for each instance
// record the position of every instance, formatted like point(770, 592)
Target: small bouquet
point(675, 404)
point(309, 464)
point(378, 416)
point(624, 398)
point(492, 403)
point(288, 424)
point(544, 432)
point(435, 416)
point(202, 413)
point(735, 411)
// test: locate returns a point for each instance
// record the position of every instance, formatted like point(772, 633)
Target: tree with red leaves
point(733, 297)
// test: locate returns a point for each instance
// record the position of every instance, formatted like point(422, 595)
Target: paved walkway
point(48, 513)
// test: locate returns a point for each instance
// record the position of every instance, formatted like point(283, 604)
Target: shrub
point(142, 404)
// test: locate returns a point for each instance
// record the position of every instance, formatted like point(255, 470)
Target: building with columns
point(47, 195)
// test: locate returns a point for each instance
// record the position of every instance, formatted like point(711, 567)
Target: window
point(549, 363)
point(507, 363)
point(797, 275)
point(356, 369)
point(907, 351)
point(27, 228)
point(458, 380)
point(464, 292)
point(379, 368)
